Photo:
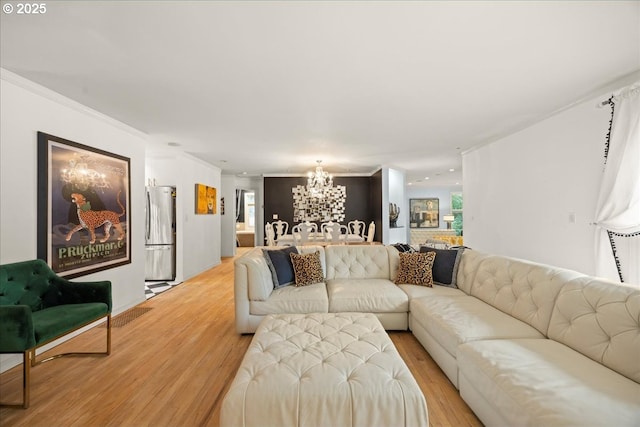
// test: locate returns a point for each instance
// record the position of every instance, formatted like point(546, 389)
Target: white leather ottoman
point(323, 369)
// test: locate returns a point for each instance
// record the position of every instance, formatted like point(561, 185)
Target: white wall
point(25, 109)
point(393, 192)
point(522, 192)
point(197, 236)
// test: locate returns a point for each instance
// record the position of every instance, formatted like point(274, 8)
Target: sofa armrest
point(16, 329)
point(82, 292)
point(256, 273)
point(241, 299)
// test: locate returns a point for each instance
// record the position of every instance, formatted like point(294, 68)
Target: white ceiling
point(272, 86)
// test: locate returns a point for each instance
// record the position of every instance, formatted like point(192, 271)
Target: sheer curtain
point(618, 207)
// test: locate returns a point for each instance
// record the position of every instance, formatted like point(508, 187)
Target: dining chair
point(311, 226)
point(371, 232)
point(270, 235)
point(356, 227)
point(323, 227)
point(333, 232)
point(301, 233)
point(280, 227)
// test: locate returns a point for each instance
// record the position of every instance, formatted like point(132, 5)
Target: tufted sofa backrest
point(522, 289)
point(27, 283)
point(252, 272)
point(468, 267)
point(601, 320)
point(358, 262)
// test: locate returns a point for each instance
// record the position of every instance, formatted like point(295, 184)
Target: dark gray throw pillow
point(445, 266)
point(279, 263)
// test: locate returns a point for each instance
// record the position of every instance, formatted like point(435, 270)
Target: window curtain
point(239, 204)
point(618, 206)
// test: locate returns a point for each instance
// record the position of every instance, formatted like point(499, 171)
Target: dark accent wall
point(278, 198)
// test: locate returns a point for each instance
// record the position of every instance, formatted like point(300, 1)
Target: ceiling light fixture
point(320, 182)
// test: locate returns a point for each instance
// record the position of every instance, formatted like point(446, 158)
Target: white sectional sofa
point(526, 344)
point(358, 279)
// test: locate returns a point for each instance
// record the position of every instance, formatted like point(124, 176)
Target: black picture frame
point(424, 213)
point(74, 181)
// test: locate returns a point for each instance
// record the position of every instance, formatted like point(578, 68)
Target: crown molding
point(49, 94)
point(610, 87)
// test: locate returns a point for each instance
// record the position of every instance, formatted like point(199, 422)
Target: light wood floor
point(172, 360)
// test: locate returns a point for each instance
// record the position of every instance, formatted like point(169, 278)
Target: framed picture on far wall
point(205, 200)
point(83, 207)
point(424, 213)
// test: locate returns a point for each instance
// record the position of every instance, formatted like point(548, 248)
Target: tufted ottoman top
point(323, 369)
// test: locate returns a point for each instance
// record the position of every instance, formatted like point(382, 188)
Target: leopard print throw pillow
point(415, 268)
point(307, 268)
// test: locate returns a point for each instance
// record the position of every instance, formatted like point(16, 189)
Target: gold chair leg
point(108, 335)
point(26, 378)
point(26, 372)
point(80, 354)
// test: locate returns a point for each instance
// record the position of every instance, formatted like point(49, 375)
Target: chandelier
point(80, 175)
point(319, 183)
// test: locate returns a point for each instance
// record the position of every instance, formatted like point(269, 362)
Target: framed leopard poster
point(83, 207)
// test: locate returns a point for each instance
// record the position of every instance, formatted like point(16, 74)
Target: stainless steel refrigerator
point(160, 233)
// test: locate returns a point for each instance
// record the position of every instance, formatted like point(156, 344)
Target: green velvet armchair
point(38, 307)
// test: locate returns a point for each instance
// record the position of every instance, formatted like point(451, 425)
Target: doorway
point(245, 218)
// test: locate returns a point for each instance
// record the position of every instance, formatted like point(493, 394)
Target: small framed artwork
point(425, 213)
point(205, 200)
point(83, 207)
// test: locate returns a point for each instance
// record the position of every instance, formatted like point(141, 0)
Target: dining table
point(317, 238)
